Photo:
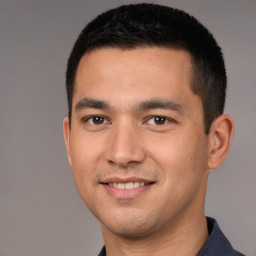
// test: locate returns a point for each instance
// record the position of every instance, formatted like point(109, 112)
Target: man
point(146, 89)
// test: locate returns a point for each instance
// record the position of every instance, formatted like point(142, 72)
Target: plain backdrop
point(41, 213)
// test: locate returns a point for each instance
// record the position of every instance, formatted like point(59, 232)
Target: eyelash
point(165, 120)
point(105, 121)
point(86, 120)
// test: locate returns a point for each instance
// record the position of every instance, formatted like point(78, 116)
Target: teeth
point(120, 185)
point(128, 185)
point(136, 184)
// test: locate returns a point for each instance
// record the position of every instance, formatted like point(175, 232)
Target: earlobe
point(221, 134)
point(66, 132)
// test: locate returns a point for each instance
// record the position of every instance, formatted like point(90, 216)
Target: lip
point(125, 180)
point(126, 193)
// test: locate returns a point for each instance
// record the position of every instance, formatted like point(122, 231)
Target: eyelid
point(168, 119)
point(87, 118)
point(107, 121)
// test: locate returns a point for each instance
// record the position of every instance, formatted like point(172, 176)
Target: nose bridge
point(125, 146)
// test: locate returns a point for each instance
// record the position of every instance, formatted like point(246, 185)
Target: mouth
point(128, 185)
point(127, 189)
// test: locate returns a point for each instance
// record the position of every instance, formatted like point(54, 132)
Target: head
point(146, 89)
point(148, 25)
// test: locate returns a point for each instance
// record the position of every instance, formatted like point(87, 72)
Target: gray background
point(41, 212)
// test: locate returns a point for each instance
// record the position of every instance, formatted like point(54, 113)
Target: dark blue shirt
point(216, 245)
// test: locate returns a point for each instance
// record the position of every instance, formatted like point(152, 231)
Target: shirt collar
point(216, 244)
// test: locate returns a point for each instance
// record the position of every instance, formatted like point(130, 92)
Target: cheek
point(182, 159)
point(85, 150)
point(84, 155)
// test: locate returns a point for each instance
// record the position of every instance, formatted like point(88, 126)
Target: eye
point(157, 120)
point(96, 120)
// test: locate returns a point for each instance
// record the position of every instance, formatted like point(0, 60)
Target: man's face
point(137, 144)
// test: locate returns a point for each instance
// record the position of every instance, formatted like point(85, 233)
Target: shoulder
point(217, 243)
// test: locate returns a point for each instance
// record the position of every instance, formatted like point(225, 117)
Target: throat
point(175, 242)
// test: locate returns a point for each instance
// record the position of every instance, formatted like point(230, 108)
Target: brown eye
point(96, 120)
point(159, 120)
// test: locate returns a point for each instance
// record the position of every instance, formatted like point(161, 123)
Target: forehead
point(133, 74)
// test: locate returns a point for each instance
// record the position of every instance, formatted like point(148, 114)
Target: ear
point(221, 133)
point(66, 132)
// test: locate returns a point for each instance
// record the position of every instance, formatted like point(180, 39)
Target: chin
point(133, 227)
point(129, 232)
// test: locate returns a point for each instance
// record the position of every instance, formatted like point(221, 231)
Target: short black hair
point(148, 25)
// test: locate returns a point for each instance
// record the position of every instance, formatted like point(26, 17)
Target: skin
point(114, 135)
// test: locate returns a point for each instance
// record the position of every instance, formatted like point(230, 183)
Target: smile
point(126, 189)
point(128, 185)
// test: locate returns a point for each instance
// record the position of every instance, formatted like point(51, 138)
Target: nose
point(125, 147)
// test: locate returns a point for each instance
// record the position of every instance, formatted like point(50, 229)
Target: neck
point(184, 238)
point(183, 235)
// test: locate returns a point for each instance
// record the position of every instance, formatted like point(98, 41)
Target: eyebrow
point(91, 103)
point(160, 103)
point(145, 105)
